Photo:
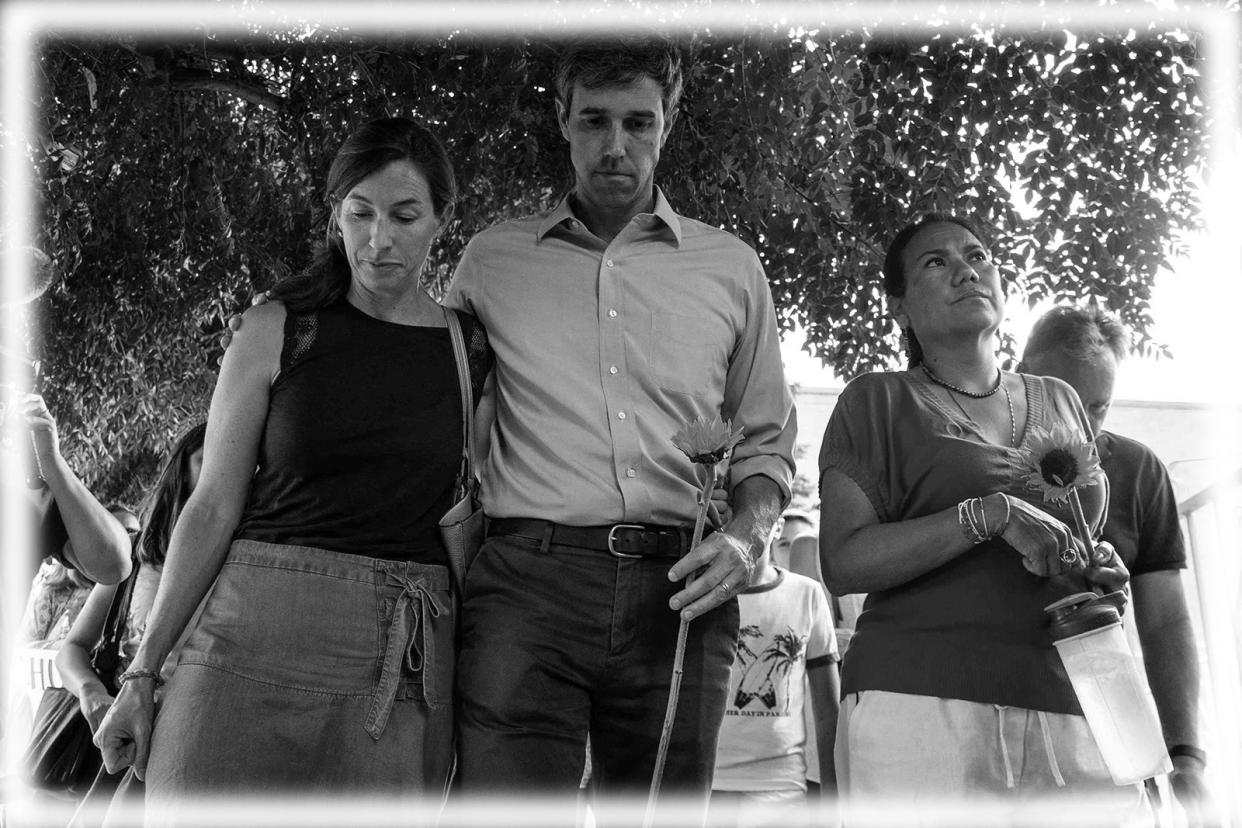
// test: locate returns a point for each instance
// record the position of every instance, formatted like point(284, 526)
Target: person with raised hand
point(76, 528)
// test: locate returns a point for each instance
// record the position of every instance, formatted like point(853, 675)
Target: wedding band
point(724, 587)
point(1068, 556)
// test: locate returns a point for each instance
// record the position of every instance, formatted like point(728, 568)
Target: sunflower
point(1058, 463)
point(707, 442)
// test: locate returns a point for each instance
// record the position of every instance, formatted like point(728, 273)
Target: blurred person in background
point(797, 549)
point(176, 481)
point(62, 506)
point(1083, 346)
point(73, 526)
point(58, 592)
point(163, 505)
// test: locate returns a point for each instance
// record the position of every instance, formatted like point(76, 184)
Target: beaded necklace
point(1000, 385)
point(978, 396)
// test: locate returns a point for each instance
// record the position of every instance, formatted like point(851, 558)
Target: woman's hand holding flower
point(1110, 573)
point(1041, 540)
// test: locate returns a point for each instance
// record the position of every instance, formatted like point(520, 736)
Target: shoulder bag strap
point(461, 357)
point(106, 655)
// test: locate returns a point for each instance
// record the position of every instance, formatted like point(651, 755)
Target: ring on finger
point(1068, 555)
point(724, 587)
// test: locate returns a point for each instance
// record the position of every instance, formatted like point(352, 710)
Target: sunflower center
point(1058, 467)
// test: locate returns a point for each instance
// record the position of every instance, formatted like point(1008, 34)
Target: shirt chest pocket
point(688, 354)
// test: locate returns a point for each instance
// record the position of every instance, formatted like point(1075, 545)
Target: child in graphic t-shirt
point(786, 644)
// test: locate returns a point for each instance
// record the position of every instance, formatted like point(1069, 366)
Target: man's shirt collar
point(564, 214)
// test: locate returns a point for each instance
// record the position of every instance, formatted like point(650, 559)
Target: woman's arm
point(73, 661)
point(205, 528)
point(858, 553)
point(99, 547)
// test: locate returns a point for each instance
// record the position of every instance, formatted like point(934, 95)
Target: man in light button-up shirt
point(614, 322)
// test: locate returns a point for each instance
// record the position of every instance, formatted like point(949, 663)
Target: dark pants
point(559, 642)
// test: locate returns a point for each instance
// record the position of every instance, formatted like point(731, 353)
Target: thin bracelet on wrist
point(130, 675)
point(982, 524)
point(966, 519)
point(1004, 524)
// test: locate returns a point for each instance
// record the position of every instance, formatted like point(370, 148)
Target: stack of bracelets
point(131, 675)
point(974, 520)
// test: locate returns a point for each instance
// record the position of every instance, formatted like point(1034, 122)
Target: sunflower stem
point(1080, 522)
point(679, 658)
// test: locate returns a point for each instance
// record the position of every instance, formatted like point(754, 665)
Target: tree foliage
point(178, 176)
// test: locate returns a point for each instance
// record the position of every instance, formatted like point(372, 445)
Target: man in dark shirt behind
point(1082, 347)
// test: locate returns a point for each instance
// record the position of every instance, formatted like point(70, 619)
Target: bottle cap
point(1080, 613)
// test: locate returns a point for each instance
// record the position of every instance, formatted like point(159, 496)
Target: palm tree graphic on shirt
point(765, 671)
point(744, 653)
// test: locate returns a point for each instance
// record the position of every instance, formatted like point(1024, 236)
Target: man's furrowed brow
point(602, 110)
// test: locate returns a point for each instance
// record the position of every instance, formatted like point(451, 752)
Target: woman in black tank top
point(324, 654)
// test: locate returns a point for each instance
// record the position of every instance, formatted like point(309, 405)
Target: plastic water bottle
point(1113, 692)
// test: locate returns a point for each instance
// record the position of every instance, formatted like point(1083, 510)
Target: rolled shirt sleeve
point(756, 395)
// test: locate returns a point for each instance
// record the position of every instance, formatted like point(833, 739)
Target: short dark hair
point(367, 150)
point(597, 62)
point(797, 514)
point(895, 273)
point(1078, 333)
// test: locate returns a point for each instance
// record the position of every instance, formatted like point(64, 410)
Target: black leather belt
point(622, 540)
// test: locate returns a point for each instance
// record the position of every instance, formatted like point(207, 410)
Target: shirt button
point(573, 223)
point(631, 472)
point(609, 262)
point(612, 313)
point(620, 415)
point(612, 369)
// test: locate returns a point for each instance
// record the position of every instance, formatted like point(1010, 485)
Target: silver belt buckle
point(612, 537)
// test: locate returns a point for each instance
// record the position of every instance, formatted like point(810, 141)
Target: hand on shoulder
point(235, 321)
point(257, 341)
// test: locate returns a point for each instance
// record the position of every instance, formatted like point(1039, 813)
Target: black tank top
point(362, 442)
